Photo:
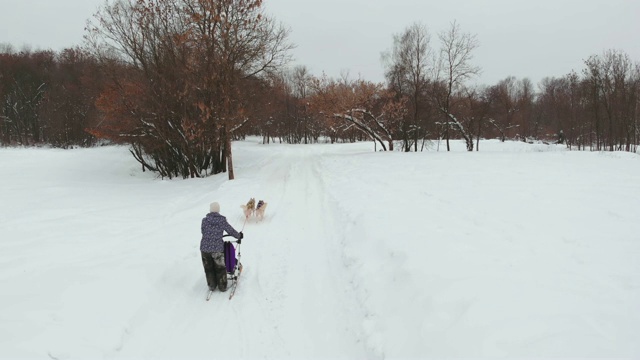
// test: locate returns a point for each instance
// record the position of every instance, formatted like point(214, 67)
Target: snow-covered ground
point(514, 251)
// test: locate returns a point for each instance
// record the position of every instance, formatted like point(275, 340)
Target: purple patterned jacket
point(212, 228)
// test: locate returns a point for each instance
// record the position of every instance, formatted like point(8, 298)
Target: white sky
point(523, 38)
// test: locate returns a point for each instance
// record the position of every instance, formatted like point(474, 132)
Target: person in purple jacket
point(212, 247)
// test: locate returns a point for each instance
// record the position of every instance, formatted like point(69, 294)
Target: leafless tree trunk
point(454, 68)
point(407, 69)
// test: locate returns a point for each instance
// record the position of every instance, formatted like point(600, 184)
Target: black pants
point(215, 270)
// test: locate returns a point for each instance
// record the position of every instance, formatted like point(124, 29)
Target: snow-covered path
point(294, 247)
point(298, 248)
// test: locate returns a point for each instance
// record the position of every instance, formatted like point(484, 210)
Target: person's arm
point(231, 231)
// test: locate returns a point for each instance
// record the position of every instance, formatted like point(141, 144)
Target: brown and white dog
point(250, 208)
point(260, 209)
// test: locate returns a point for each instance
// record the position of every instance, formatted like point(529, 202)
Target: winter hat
point(214, 207)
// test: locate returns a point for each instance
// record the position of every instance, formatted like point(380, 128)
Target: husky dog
point(250, 208)
point(260, 209)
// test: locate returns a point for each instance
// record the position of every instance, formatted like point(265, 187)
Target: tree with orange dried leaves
point(185, 63)
point(363, 104)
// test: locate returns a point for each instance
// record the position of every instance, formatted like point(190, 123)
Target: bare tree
point(24, 78)
point(7, 49)
point(407, 72)
point(454, 68)
point(505, 105)
point(526, 100)
point(69, 103)
point(612, 80)
point(478, 107)
point(301, 81)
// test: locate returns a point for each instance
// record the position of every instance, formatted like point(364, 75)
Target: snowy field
point(514, 251)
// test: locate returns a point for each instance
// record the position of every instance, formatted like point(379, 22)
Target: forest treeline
point(178, 81)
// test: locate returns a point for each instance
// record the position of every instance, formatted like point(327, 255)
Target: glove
point(240, 237)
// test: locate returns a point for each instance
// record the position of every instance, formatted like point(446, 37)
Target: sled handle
point(224, 236)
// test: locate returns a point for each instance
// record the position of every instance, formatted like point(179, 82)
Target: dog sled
point(233, 264)
point(232, 260)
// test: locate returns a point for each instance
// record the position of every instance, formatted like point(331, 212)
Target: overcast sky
point(523, 38)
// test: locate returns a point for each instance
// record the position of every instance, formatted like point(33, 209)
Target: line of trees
point(47, 97)
point(179, 80)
